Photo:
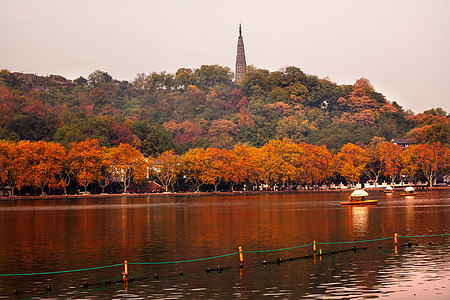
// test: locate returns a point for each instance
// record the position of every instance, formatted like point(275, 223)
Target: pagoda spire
point(241, 64)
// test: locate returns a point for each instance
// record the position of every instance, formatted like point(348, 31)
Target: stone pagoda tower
point(240, 58)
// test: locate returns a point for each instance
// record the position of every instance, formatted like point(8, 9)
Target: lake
point(63, 234)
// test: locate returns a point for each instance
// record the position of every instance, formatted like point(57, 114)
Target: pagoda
point(240, 58)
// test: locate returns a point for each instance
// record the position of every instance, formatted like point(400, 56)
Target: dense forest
point(204, 108)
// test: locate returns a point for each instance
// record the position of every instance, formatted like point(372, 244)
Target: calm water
point(65, 234)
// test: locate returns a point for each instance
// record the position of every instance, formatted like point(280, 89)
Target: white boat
point(359, 197)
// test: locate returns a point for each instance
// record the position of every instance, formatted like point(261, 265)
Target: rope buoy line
point(224, 255)
point(183, 261)
point(60, 272)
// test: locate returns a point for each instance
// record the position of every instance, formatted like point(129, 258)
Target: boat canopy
point(389, 188)
point(409, 189)
point(359, 193)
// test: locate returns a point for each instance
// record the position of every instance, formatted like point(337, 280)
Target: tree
point(106, 171)
point(194, 165)
point(126, 163)
point(85, 161)
point(46, 164)
point(98, 77)
point(374, 167)
point(242, 166)
point(391, 159)
point(6, 164)
point(278, 161)
point(215, 166)
point(430, 159)
point(315, 163)
point(154, 139)
point(209, 76)
point(166, 167)
point(184, 77)
point(350, 162)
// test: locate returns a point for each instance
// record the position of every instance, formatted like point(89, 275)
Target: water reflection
point(64, 234)
point(360, 217)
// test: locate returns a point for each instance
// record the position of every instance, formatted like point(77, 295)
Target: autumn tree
point(278, 161)
point(45, 161)
point(166, 167)
point(106, 171)
point(350, 162)
point(431, 159)
point(391, 159)
point(85, 161)
point(6, 164)
point(242, 166)
point(374, 167)
point(21, 173)
point(316, 163)
point(194, 165)
point(127, 163)
point(215, 166)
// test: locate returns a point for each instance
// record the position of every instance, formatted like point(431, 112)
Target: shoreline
point(181, 194)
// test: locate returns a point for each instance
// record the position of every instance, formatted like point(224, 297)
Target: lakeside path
point(181, 194)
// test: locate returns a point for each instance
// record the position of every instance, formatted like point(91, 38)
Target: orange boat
point(358, 197)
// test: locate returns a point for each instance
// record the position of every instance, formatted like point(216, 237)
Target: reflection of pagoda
point(240, 58)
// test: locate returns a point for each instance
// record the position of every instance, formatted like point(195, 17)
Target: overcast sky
point(401, 46)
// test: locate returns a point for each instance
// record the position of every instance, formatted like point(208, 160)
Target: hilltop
point(205, 108)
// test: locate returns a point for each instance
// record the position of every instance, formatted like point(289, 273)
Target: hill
point(205, 108)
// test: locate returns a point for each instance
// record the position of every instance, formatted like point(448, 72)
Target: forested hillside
point(205, 108)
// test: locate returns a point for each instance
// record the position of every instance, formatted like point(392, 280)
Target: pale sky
point(401, 46)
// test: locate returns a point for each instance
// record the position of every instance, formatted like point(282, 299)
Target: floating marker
point(156, 276)
point(49, 288)
point(264, 262)
point(107, 283)
point(86, 285)
point(208, 270)
point(241, 257)
point(180, 273)
point(125, 273)
point(314, 246)
point(395, 239)
point(15, 292)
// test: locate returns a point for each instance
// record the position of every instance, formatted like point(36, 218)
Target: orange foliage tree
point(242, 166)
point(391, 157)
point(279, 161)
point(316, 163)
point(166, 167)
point(430, 159)
point(127, 164)
point(194, 165)
point(215, 162)
point(46, 164)
point(350, 162)
point(6, 166)
point(21, 172)
point(85, 161)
